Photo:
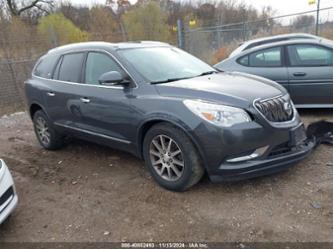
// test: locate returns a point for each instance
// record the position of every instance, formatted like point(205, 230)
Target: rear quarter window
point(271, 57)
point(244, 60)
point(45, 67)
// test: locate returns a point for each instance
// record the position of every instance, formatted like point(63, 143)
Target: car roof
point(105, 45)
point(269, 39)
point(321, 41)
point(292, 35)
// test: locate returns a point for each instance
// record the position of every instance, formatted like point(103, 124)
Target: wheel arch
point(34, 107)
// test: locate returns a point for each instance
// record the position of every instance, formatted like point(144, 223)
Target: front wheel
point(172, 158)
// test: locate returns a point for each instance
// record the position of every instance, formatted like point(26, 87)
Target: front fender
point(37, 103)
point(171, 118)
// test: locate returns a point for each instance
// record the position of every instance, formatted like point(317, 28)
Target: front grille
point(8, 194)
point(278, 109)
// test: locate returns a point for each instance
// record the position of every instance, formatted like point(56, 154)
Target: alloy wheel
point(166, 158)
point(43, 132)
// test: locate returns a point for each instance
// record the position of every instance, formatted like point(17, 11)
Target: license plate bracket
point(297, 135)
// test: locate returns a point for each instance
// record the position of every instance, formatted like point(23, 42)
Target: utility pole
point(244, 27)
point(317, 22)
point(180, 34)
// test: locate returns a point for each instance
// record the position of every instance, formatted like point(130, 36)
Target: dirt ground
point(87, 192)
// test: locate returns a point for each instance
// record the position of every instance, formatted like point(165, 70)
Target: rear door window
point(71, 67)
point(310, 55)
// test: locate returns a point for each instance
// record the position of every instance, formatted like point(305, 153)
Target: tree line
point(146, 19)
point(31, 26)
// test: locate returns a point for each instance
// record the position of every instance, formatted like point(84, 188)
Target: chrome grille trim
point(275, 110)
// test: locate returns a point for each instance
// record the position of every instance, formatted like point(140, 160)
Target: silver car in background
point(8, 196)
point(304, 67)
point(265, 40)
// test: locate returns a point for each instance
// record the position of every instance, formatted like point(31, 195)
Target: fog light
point(257, 153)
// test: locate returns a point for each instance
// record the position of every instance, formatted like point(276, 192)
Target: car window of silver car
point(271, 57)
point(266, 58)
point(244, 60)
point(310, 55)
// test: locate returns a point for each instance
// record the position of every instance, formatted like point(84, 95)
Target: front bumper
point(256, 168)
point(8, 197)
point(251, 149)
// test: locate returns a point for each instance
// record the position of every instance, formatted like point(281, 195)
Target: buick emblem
point(288, 108)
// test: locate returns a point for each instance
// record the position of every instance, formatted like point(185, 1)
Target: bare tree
point(117, 9)
point(18, 7)
point(302, 22)
point(2, 10)
point(79, 15)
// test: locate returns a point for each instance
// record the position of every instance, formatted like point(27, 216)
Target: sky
point(282, 7)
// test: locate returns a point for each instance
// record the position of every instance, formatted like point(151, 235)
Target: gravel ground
point(87, 192)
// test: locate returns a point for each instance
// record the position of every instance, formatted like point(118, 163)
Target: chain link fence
point(13, 74)
point(17, 58)
point(19, 52)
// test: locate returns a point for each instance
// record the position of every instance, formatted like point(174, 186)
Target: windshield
point(165, 64)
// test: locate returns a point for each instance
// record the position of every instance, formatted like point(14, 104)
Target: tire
point(165, 165)
point(46, 135)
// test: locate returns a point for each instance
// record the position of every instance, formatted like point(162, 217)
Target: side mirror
point(112, 78)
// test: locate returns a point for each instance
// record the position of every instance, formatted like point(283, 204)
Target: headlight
point(216, 114)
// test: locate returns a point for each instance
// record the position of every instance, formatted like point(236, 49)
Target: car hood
point(238, 89)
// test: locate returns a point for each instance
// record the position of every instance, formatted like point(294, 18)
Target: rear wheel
point(172, 158)
point(47, 136)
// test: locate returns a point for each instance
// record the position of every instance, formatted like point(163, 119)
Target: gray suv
point(167, 107)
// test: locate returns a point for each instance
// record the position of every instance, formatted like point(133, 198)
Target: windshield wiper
point(168, 80)
point(207, 73)
point(182, 78)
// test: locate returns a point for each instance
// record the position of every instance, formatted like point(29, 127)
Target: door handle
point(51, 94)
point(85, 100)
point(299, 74)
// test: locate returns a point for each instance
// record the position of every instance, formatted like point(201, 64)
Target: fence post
point(180, 34)
point(219, 43)
point(317, 22)
point(53, 36)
